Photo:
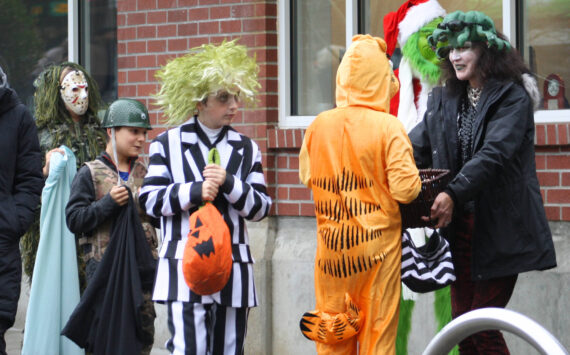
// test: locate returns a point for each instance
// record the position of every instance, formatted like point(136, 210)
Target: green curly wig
point(207, 69)
point(50, 109)
point(459, 27)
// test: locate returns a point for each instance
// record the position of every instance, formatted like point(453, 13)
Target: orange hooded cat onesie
point(358, 161)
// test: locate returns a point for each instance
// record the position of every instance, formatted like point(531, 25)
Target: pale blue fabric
point(55, 285)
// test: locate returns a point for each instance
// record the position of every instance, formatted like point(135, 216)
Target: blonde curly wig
point(205, 70)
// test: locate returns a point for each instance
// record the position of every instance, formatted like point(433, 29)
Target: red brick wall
point(553, 168)
point(291, 197)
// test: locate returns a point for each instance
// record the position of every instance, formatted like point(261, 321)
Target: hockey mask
point(74, 92)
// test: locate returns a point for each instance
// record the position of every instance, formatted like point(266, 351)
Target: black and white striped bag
point(429, 267)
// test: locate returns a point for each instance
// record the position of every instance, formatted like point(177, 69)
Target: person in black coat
point(480, 126)
point(21, 184)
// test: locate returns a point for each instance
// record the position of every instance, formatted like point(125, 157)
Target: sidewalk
point(13, 339)
point(14, 335)
point(14, 343)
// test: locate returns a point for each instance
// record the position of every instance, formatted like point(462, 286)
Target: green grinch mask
point(460, 27)
point(421, 55)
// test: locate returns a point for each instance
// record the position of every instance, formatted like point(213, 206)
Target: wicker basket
point(433, 182)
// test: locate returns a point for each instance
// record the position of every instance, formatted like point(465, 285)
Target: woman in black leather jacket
point(480, 126)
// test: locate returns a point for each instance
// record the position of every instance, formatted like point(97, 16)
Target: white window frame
point(73, 30)
point(286, 120)
point(74, 34)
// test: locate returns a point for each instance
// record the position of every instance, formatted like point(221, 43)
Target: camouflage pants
point(147, 319)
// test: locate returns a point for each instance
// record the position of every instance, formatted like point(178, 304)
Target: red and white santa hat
point(410, 17)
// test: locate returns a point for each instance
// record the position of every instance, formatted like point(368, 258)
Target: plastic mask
point(74, 92)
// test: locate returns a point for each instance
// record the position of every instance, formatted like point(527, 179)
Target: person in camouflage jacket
point(98, 193)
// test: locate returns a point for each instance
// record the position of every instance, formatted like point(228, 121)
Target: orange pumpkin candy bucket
point(207, 259)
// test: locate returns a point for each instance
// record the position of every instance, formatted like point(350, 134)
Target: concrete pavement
point(14, 335)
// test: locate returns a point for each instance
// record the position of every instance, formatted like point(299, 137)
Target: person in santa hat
point(418, 73)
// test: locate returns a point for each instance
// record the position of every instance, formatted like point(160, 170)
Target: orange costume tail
point(332, 328)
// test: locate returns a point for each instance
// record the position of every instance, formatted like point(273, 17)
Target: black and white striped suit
point(172, 190)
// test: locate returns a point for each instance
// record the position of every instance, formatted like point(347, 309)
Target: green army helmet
point(126, 112)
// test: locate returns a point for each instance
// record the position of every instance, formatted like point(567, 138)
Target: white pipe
point(494, 319)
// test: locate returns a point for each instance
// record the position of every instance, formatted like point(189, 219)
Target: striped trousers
point(206, 329)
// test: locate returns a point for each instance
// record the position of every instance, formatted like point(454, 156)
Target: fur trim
point(410, 112)
point(531, 88)
point(422, 100)
point(407, 113)
point(426, 70)
point(404, 326)
point(442, 310)
point(417, 17)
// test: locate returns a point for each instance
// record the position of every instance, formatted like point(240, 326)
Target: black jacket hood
point(8, 99)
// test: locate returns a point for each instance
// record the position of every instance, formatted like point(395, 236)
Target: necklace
point(474, 94)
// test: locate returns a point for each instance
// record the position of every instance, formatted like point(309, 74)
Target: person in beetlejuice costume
point(418, 73)
point(357, 184)
point(200, 93)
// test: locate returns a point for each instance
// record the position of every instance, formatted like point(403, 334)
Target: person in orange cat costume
point(358, 161)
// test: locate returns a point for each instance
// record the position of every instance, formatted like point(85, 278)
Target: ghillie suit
point(419, 73)
point(55, 128)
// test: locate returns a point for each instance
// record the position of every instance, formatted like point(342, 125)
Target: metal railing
point(494, 319)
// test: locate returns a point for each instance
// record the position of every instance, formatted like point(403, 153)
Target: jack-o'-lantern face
point(201, 238)
point(207, 260)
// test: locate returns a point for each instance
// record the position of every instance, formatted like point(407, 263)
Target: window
point(372, 12)
point(315, 33)
point(34, 35)
point(545, 43)
point(374, 24)
point(39, 38)
point(98, 44)
point(318, 42)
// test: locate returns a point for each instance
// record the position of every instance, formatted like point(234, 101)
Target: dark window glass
point(545, 34)
point(33, 36)
point(317, 45)
point(98, 44)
